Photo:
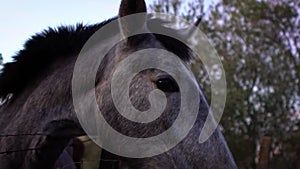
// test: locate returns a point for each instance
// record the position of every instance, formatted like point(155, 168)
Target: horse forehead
point(152, 42)
point(123, 51)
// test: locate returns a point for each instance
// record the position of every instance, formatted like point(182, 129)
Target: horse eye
point(167, 84)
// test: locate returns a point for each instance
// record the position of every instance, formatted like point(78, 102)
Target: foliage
point(258, 42)
point(1, 59)
point(188, 9)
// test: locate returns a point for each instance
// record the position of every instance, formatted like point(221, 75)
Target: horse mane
point(41, 50)
point(44, 48)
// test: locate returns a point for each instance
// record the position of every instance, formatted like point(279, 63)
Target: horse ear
point(136, 22)
point(129, 7)
point(188, 33)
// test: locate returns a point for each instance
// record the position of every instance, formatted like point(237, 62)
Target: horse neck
point(27, 116)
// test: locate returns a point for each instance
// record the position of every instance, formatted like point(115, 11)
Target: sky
point(20, 19)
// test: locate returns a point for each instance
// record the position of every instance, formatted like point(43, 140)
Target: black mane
point(44, 48)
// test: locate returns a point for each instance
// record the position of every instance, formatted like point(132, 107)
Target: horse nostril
point(167, 84)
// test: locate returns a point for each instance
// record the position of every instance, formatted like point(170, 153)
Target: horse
point(38, 119)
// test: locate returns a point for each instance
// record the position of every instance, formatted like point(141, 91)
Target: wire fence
point(114, 163)
point(21, 135)
point(83, 163)
point(7, 152)
point(28, 149)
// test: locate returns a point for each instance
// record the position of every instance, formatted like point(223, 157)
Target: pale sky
point(20, 19)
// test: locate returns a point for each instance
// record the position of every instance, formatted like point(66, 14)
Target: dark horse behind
point(38, 120)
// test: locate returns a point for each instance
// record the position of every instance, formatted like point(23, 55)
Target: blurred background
point(259, 45)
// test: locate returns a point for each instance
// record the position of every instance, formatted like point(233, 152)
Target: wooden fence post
point(264, 152)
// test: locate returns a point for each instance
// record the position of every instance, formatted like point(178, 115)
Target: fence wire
point(82, 162)
point(7, 152)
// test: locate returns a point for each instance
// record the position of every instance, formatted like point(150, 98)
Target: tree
point(258, 42)
point(190, 10)
point(1, 59)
